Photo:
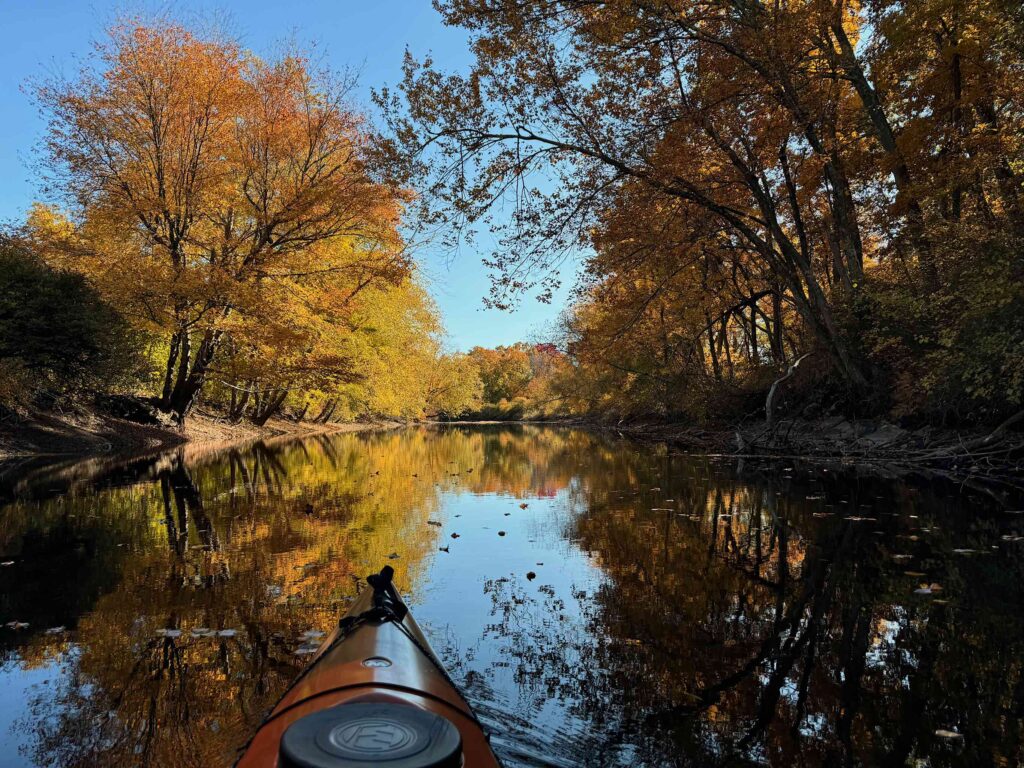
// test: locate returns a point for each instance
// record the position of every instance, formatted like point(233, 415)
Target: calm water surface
point(603, 603)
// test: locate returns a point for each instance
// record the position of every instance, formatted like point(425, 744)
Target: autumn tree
point(504, 371)
point(824, 177)
point(203, 180)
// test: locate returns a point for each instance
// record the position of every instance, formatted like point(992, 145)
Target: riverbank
point(995, 455)
point(89, 432)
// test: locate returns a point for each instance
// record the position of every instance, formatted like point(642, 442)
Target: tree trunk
point(269, 405)
point(172, 358)
point(192, 373)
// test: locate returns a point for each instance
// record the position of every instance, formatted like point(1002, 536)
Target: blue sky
point(42, 36)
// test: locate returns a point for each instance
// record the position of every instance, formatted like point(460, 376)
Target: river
point(601, 602)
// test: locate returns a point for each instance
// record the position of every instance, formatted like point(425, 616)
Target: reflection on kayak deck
point(596, 601)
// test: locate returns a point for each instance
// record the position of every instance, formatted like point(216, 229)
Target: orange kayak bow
point(374, 696)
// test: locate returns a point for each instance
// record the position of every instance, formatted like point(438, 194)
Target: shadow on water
point(645, 608)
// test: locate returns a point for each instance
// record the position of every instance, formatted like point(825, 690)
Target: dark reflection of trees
point(741, 629)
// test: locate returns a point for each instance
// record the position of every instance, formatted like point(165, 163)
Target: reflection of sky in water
point(683, 611)
point(19, 684)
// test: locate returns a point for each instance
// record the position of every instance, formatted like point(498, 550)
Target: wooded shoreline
point(89, 433)
point(981, 458)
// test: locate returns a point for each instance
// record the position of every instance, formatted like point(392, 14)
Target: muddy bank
point(87, 432)
point(995, 455)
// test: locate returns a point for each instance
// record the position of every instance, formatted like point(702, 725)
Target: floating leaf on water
point(394, 556)
point(455, 535)
point(964, 551)
point(914, 574)
point(928, 589)
point(56, 630)
point(942, 733)
point(434, 522)
point(530, 575)
point(501, 533)
point(7, 563)
point(899, 558)
point(524, 505)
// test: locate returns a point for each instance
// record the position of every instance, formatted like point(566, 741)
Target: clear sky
point(42, 36)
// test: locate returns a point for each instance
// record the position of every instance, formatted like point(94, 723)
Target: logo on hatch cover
point(373, 735)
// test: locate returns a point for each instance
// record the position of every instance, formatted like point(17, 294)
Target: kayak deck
point(372, 658)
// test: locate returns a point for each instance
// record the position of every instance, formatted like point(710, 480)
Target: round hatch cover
point(371, 736)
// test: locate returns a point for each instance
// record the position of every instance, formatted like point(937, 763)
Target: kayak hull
point(376, 662)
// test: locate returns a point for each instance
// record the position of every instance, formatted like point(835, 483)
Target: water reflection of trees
point(731, 626)
point(735, 627)
point(215, 570)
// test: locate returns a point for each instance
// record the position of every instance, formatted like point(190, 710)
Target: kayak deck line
point(374, 694)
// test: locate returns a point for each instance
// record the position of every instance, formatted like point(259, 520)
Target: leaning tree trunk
point(267, 407)
point(192, 371)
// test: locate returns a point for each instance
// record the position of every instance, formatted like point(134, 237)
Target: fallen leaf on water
point(434, 522)
point(501, 533)
point(7, 563)
point(394, 556)
point(530, 575)
point(964, 551)
point(902, 557)
point(928, 589)
point(455, 535)
point(942, 733)
point(524, 505)
point(55, 630)
point(914, 574)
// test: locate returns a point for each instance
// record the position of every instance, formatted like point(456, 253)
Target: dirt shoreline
point(85, 434)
